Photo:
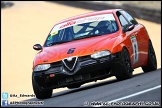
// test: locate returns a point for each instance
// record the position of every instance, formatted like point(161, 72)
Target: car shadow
point(90, 86)
point(85, 87)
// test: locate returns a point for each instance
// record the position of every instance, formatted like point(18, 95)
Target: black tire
point(127, 70)
point(152, 63)
point(40, 94)
point(73, 86)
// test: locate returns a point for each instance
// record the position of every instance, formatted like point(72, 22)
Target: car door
point(140, 37)
point(131, 39)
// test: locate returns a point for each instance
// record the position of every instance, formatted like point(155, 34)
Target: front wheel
point(127, 70)
point(40, 94)
point(152, 63)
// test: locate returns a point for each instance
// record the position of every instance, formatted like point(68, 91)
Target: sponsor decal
point(49, 38)
point(68, 24)
point(83, 20)
point(54, 33)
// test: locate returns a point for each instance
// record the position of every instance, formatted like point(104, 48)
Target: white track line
point(135, 94)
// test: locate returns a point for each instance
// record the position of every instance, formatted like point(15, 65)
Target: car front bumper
point(86, 70)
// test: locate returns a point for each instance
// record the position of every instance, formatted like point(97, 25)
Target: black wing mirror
point(37, 47)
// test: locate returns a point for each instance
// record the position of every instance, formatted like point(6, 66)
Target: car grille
point(56, 64)
point(70, 63)
point(84, 58)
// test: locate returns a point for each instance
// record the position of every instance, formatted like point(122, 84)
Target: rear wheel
point(40, 94)
point(127, 70)
point(152, 63)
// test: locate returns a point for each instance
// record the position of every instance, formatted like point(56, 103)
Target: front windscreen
point(82, 28)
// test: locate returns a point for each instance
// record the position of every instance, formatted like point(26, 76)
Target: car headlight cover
point(101, 54)
point(42, 67)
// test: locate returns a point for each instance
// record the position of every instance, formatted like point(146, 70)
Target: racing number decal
point(135, 48)
point(70, 50)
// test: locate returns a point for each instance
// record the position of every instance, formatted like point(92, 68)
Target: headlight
point(42, 67)
point(101, 54)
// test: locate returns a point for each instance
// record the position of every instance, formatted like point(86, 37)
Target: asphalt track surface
point(142, 88)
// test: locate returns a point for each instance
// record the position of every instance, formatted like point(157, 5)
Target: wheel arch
point(120, 47)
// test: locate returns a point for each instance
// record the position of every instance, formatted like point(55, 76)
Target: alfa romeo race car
point(91, 47)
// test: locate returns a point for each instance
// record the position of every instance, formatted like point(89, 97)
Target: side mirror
point(130, 27)
point(37, 47)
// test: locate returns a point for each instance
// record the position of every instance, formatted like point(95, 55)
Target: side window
point(124, 23)
point(129, 17)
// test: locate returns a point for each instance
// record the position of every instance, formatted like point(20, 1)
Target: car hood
point(80, 47)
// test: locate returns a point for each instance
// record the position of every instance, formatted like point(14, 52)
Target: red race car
point(91, 47)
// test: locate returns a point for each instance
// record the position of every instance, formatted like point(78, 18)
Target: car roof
point(90, 14)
